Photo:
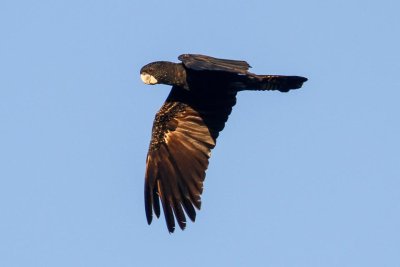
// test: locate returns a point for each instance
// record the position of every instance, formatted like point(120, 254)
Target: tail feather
point(274, 82)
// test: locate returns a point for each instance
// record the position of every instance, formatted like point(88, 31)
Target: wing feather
point(202, 62)
point(184, 132)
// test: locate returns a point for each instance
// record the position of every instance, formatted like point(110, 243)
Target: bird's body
point(186, 127)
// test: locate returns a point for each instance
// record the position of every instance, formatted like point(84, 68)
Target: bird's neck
point(178, 76)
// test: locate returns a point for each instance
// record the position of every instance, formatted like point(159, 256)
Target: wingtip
point(149, 218)
point(171, 229)
point(148, 204)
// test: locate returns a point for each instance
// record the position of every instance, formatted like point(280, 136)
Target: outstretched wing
point(185, 130)
point(201, 62)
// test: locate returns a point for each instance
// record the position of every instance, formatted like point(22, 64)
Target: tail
point(274, 82)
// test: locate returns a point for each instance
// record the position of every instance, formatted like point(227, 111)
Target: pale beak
point(148, 79)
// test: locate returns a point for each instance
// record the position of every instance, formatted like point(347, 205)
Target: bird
point(186, 127)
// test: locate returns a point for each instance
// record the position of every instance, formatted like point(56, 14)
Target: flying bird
point(187, 126)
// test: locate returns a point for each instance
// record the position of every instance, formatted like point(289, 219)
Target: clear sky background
point(306, 178)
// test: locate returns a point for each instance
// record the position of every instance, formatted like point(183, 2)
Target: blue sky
point(307, 178)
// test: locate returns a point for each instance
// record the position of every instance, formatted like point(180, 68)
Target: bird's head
point(158, 72)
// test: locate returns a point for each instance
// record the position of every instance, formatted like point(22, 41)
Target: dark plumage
point(186, 127)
